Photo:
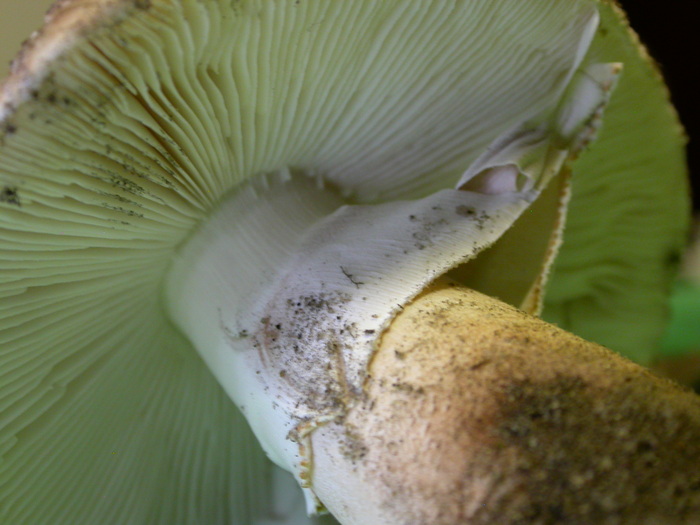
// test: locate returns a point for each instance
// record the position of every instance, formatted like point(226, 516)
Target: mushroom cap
point(125, 122)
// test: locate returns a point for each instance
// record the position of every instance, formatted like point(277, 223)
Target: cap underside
point(629, 212)
point(128, 140)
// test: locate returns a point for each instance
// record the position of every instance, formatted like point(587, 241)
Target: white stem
point(284, 293)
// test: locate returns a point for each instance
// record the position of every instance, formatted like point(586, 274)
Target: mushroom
point(265, 192)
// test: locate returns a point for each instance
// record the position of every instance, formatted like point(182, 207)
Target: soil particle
point(10, 195)
point(316, 370)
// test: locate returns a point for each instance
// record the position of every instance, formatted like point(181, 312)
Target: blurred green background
point(18, 18)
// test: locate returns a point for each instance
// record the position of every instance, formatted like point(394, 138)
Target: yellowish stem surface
point(476, 413)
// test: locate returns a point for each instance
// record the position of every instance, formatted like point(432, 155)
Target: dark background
point(671, 32)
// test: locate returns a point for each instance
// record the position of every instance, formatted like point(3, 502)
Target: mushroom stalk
point(450, 407)
point(285, 291)
point(475, 412)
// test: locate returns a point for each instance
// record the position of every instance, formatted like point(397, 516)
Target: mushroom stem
point(284, 292)
point(475, 412)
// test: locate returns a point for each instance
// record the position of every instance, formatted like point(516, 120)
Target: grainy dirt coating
point(315, 374)
point(505, 419)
